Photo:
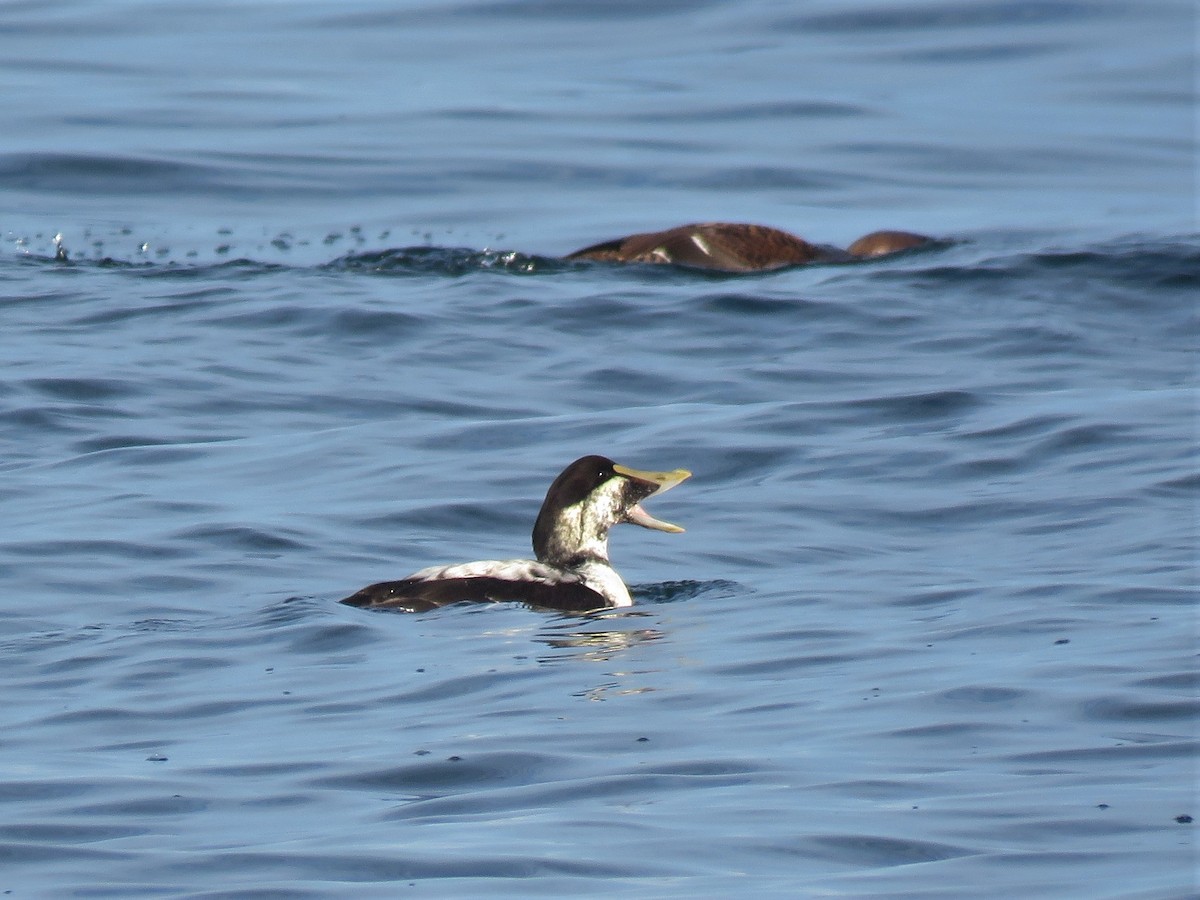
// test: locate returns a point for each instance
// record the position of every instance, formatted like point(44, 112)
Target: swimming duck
point(570, 540)
point(737, 247)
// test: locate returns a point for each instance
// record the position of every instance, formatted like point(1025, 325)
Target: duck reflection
point(585, 637)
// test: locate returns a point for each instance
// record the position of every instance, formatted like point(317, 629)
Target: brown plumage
point(734, 247)
point(881, 243)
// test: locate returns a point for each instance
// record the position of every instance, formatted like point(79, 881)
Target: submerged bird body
point(570, 539)
point(738, 247)
point(881, 243)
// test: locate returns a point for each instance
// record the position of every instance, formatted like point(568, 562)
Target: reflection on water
point(594, 645)
point(577, 633)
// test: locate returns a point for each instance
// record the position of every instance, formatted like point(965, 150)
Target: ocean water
point(283, 314)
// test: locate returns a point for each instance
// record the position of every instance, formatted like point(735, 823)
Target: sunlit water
point(931, 630)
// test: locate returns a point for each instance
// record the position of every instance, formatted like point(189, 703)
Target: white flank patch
point(508, 569)
point(597, 575)
point(699, 242)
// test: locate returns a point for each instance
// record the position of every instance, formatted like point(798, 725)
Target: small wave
point(676, 591)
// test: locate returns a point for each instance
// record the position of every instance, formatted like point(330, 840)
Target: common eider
point(570, 540)
point(737, 247)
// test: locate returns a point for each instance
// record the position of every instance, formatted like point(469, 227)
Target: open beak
point(657, 482)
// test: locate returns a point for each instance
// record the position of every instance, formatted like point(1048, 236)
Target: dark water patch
point(93, 175)
point(988, 695)
point(1130, 709)
point(583, 10)
point(378, 325)
point(988, 512)
point(1019, 429)
point(631, 380)
point(75, 663)
point(107, 549)
point(776, 111)
point(15, 853)
point(757, 305)
point(160, 621)
point(1030, 626)
point(922, 407)
point(195, 711)
point(1091, 825)
point(767, 709)
point(1129, 276)
point(935, 598)
point(332, 638)
point(262, 770)
point(677, 591)
point(235, 271)
point(241, 538)
point(154, 670)
point(465, 772)
point(875, 789)
point(43, 789)
point(743, 464)
point(501, 518)
point(759, 178)
point(170, 310)
point(167, 454)
point(547, 794)
point(1084, 438)
point(463, 686)
point(85, 389)
point(707, 768)
point(1178, 681)
point(1165, 748)
point(929, 18)
point(987, 468)
point(139, 807)
point(1135, 262)
point(119, 442)
point(286, 612)
point(781, 665)
point(1148, 594)
point(391, 865)
point(983, 54)
point(1185, 484)
point(279, 316)
point(191, 268)
point(35, 419)
point(953, 731)
point(807, 636)
point(1032, 341)
point(451, 262)
point(876, 850)
point(63, 418)
point(63, 833)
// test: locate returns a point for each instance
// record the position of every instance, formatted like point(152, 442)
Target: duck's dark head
point(590, 496)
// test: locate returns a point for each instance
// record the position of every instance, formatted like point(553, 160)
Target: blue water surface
point(284, 313)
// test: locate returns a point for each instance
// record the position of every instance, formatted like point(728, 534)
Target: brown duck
point(736, 247)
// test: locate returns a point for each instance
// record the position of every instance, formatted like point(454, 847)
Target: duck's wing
point(727, 246)
point(519, 581)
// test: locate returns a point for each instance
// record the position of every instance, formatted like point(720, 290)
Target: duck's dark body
point(420, 595)
point(570, 538)
point(738, 247)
